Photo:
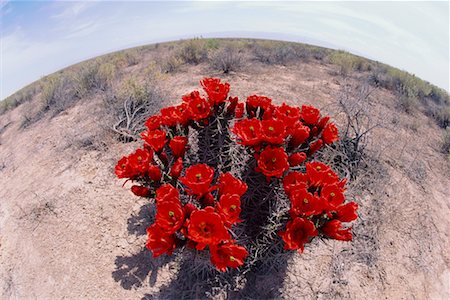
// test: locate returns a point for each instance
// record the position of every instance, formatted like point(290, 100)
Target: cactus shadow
point(133, 270)
point(263, 281)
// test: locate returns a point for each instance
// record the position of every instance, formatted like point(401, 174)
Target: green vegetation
point(101, 74)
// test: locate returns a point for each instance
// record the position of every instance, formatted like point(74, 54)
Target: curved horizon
point(41, 38)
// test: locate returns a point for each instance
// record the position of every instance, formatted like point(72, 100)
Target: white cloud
point(73, 10)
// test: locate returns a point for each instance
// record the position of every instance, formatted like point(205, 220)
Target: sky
point(38, 38)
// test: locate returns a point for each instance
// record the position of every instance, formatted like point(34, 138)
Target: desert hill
point(68, 229)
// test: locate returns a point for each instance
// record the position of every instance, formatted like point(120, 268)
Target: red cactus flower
point(170, 215)
point(299, 134)
point(154, 173)
point(140, 191)
point(248, 131)
point(273, 131)
point(159, 241)
point(310, 115)
point(239, 111)
point(156, 139)
point(333, 229)
point(229, 207)
point(315, 146)
point(228, 184)
point(206, 228)
point(227, 255)
point(207, 200)
point(289, 114)
point(297, 159)
point(176, 169)
point(298, 232)
point(189, 208)
point(273, 162)
point(256, 101)
point(178, 145)
point(330, 134)
point(173, 115)
point(167, 193)
point(305, 204)
point(232, 104)
point(198, 179)
point(140, 160)
point(123, 168)
point(153, 122)
point(347, 212)
point(217, 92)
point(323, 122)
point(199, 108)
point(320, 174)
point(333, 194)
point(293, 181)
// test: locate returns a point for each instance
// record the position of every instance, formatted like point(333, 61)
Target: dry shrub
point(227, 59)
point(284, 53)
point(446, 142)
point(440, 114)
point(193, 51)
point(407, 104)
point(92, 76)
point(349, 155)
point(25, 94)
point(171, 63)
point(125, 58)
point(131, 105)
point(274, 53)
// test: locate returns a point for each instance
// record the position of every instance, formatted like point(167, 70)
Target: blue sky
point(40, 37)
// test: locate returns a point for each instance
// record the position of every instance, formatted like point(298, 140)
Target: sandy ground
point(68, 230)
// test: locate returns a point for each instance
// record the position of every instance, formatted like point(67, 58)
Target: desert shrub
point(439, 96)
point(227, 59)
point(92, 76)
point(123, 59)
point(274, 53)
point(303, 53)
point(212, 44)
point(407, 104)
point(440, 114)
point(171, 63)
point(193, 51)
point(23, 95)
point(131, 104)
point(57, 95)
point(446, 142)
point(319, 54)
point(348, 63)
